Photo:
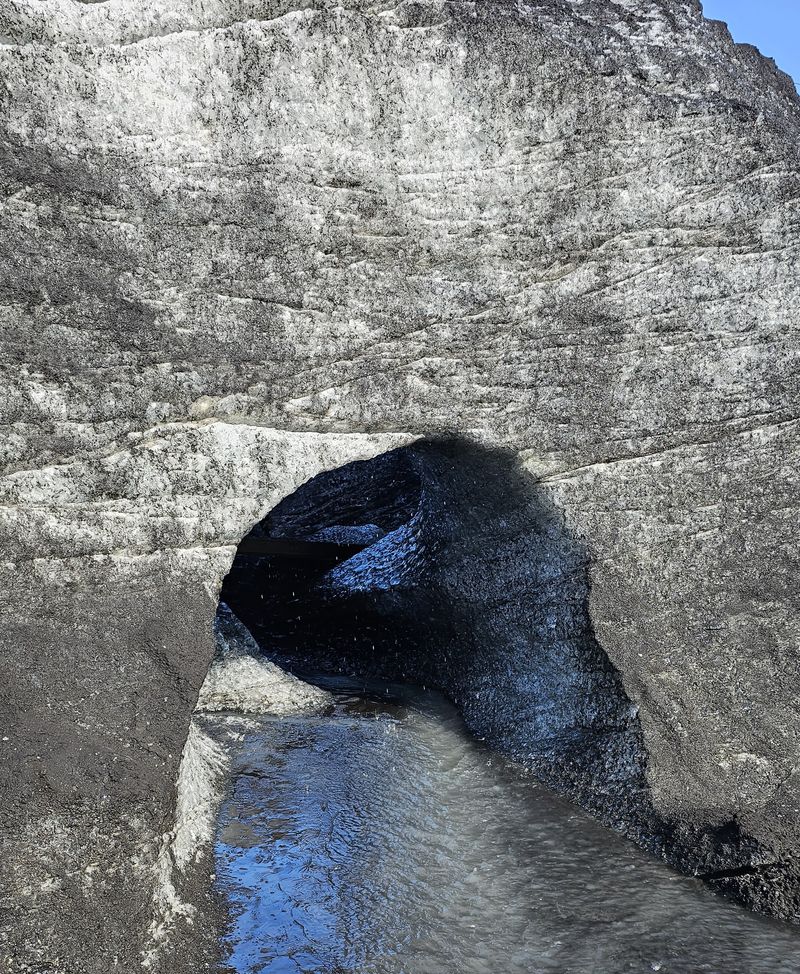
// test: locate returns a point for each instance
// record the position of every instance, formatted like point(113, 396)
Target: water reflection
point(383, 838)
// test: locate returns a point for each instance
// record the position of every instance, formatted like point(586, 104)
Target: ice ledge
point(241, 679)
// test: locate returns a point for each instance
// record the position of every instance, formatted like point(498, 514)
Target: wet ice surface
point(383, 838)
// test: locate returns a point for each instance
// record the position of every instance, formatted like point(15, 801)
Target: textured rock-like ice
point(243, 242)
point(240, 679)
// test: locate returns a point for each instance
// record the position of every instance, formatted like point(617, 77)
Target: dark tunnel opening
point(443, 564)
point(306, 579)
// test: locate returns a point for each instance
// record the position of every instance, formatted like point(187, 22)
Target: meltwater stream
point(381, 837)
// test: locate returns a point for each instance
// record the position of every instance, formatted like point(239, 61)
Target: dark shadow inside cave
point(444, 564)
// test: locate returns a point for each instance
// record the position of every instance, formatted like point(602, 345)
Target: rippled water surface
point(383, 838)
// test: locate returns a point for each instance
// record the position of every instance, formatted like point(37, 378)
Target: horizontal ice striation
point(234, 258)
point(364, 506)
point(365, 534)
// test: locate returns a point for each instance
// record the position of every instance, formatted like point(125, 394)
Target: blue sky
point(772, 25)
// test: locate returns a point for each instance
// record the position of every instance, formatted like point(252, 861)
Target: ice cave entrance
point(373, 832)
point(315, 580)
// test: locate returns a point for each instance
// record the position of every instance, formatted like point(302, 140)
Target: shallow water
point(383, 838)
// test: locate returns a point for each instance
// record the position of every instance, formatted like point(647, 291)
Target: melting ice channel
point(381, 837)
